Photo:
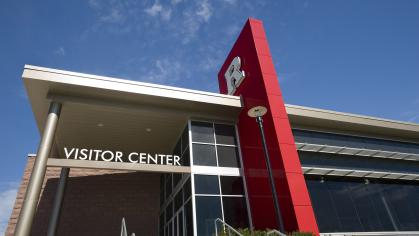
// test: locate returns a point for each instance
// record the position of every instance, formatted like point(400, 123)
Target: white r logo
point(234, 76)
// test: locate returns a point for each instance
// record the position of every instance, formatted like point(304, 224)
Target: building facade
point(171, 161)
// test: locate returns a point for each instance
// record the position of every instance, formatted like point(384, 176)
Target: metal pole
point(58, 202)
point(30, 202)
point(271, 177)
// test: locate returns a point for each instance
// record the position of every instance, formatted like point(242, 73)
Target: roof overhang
point(116, 114)
point(346, 123)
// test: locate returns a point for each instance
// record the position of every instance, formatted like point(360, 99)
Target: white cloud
point(60, 51)
point(114, 16)
point(155, 9)
point(164, 71)
point(174, 2)
point(94, 3)
point(7, 196)
point(204, 10)
point(158, 9)
point(230, 1)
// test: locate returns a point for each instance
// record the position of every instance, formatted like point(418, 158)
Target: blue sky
point(354, 56)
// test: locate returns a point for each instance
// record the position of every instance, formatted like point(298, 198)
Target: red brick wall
point(95, 202)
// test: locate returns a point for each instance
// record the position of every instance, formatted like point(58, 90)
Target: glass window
point(176, 179)
point(235, 213)
point(329, 160)
point(188, 219)
point(170, 228)
point(178, 201)
point(185, 139)
point(187, 189)
point(181, 223)
point(347, 204)
point(168, 185)
point(204, 155)
point(225, 134)
point(231, 185)
point(202, 132)
point(175, 226)
point(344, 205)
point(228, 156)
point(185, 159)
point(208, 208)
point(169, 212)
point(161, 221)
point(206, 184)
point(323, 206)
point(314, 137)
point(177, 150)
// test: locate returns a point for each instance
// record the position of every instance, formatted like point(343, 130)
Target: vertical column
point(260, 87)
point(58, 201)
point(31, 199)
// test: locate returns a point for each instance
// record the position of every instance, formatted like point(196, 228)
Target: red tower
point(260, 87)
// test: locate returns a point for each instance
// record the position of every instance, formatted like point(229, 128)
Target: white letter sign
point(234, 76)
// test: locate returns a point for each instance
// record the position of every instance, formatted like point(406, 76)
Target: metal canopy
point(310, 170)
point(120, 115)
point(308, 147)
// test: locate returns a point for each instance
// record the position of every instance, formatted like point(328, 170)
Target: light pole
point(257, 112)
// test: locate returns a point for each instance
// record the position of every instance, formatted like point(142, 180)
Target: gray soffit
point(308, 147)
point(55, 162)
point(345, 123)
point(107, 113)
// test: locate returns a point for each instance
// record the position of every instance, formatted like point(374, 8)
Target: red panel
point(290, 158)
point(261, 87)
point(272, 85)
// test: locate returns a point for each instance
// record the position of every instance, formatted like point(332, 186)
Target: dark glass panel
point(323, 206)
point(208, 208)
point(171, 228)
point(180, 217)
point(161, 221)
point(368, 215)
point(380, 205)
point(235, 212)
point(185, 159)
point(231, 185)
point(403, 206)
point(162, 189)
point(185, 139)
point(178, 201)
point(187, 189)
point(225, 134)
point(228, 156)
point(175, 222)
point(328, 160)
point(204, 155)
point(169, 212)
point(176, 179)
point(345, 208)
point(188, 219)
point(162, 180)
point(168, 185)
point(206, 184)
point(202, 132)
point(305, 136)
point(177, 151)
